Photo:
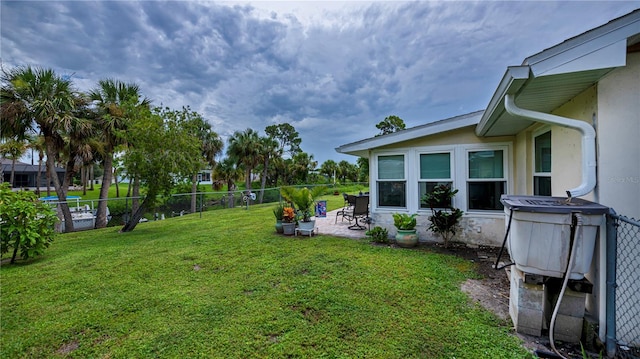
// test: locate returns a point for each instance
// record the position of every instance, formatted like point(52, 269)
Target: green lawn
point(226, 286)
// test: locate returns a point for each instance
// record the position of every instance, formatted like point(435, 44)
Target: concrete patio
point(328, 226)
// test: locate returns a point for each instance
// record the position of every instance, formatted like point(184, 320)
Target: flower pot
point(288, 228)
point(307, 228)
point(279, 228)
point(406, 238)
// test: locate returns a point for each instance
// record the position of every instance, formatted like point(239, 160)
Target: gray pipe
point(612, 244)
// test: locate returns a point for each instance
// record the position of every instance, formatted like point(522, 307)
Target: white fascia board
point(412, 133)
point(513, 79)
point(614, 55)
point(602, 47)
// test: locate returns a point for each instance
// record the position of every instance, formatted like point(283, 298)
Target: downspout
point(588, 142)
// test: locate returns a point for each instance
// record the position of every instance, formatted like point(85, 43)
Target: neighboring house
point(536, 137)
point(26, 175)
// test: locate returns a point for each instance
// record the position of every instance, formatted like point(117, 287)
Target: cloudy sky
point(331, 69)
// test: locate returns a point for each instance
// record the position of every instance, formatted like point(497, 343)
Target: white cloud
point(332, 69)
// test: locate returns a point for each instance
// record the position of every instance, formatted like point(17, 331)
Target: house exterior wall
point(618, 138)
point(477, 227)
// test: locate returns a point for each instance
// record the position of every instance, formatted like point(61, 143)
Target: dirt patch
point(491, 291)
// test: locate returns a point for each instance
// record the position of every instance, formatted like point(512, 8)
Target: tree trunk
point(247, 182)
point(61, 189)
point(194, 190)
point(264, 179)
point(135, 201)
point(83, 179)
point(91, 179)
point(39, 180)
point(137, 215)
point(115, 179)
point(101, 213)
point(16, 245)
point(13, 173)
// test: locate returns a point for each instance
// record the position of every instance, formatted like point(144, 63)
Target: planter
point(406, 238)
point(279, 228)
point(288, 228)
point(307, 228)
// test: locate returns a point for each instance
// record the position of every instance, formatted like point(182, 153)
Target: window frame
point(375, 169)
point(537, 174)
point(505, 174)
point(450, 180)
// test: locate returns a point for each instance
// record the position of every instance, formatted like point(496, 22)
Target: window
point(542, 166)
point(486, 181)
point(435, 169)
point(392, 187)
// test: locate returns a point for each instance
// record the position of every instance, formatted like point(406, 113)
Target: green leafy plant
point(404, 221)
point(444, 217)
point(378, 234)
point(278, 212)
point(303, 199)
point(26, 224)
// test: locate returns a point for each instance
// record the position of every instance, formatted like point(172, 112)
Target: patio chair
point(349, 202)
point(360, 212)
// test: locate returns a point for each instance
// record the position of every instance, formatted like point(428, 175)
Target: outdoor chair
point(349, 202)
point(360, 212)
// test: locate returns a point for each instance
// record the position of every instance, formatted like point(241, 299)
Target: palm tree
point(227, 171)
point(243, 148)
point(268, 149)
point(211, 145)
point(112, 98)
point(37, 143)
point(48, 100)
point(303, 163)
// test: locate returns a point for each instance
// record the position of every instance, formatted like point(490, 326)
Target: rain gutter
point(588, 141)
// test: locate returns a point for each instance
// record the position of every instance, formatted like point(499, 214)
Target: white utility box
point(539, 239)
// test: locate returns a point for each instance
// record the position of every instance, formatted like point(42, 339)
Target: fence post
point(201, 204)
point(612, 241)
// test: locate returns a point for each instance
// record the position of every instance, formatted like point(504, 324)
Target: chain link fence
point(627, 287)
point(180, 204)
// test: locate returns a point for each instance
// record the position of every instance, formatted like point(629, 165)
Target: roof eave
point(514, 78)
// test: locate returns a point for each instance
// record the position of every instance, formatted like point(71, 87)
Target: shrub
point(26, 224)
point(378, 234)
point(444, 221)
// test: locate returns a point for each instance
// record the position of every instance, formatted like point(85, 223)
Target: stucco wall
point(618, 125)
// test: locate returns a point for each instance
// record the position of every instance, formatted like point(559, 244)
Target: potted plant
point(406, 235)
point(288, 221)
point(444, 217)
point(304, 200)
point(278, 212)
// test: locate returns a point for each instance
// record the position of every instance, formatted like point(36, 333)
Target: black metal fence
point(623, 338)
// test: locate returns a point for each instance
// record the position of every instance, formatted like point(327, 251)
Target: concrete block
point(573, 303)
point(525, 295)
point(568, 329)
point(525, 320)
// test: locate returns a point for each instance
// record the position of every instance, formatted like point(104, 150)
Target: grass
point(226, 286)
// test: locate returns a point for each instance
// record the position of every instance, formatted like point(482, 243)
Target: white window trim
point(452, 170)
point(373, 173)
point(459, 175)
point(538, 132)
point(506, 173)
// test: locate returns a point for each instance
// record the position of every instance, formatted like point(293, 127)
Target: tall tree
point(210, 146)
point(287, 136)
point(112, 98)
point(227, 171)
point(243, 148)
point(363, 169)
point(48, 100)
point(347, 170)
point(303, 164)
point(390, 124)
point(329, 169)
point(13, 149)
point(163, 152)
point(267, 151)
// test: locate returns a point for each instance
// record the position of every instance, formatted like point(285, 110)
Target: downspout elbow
point(588, 141)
